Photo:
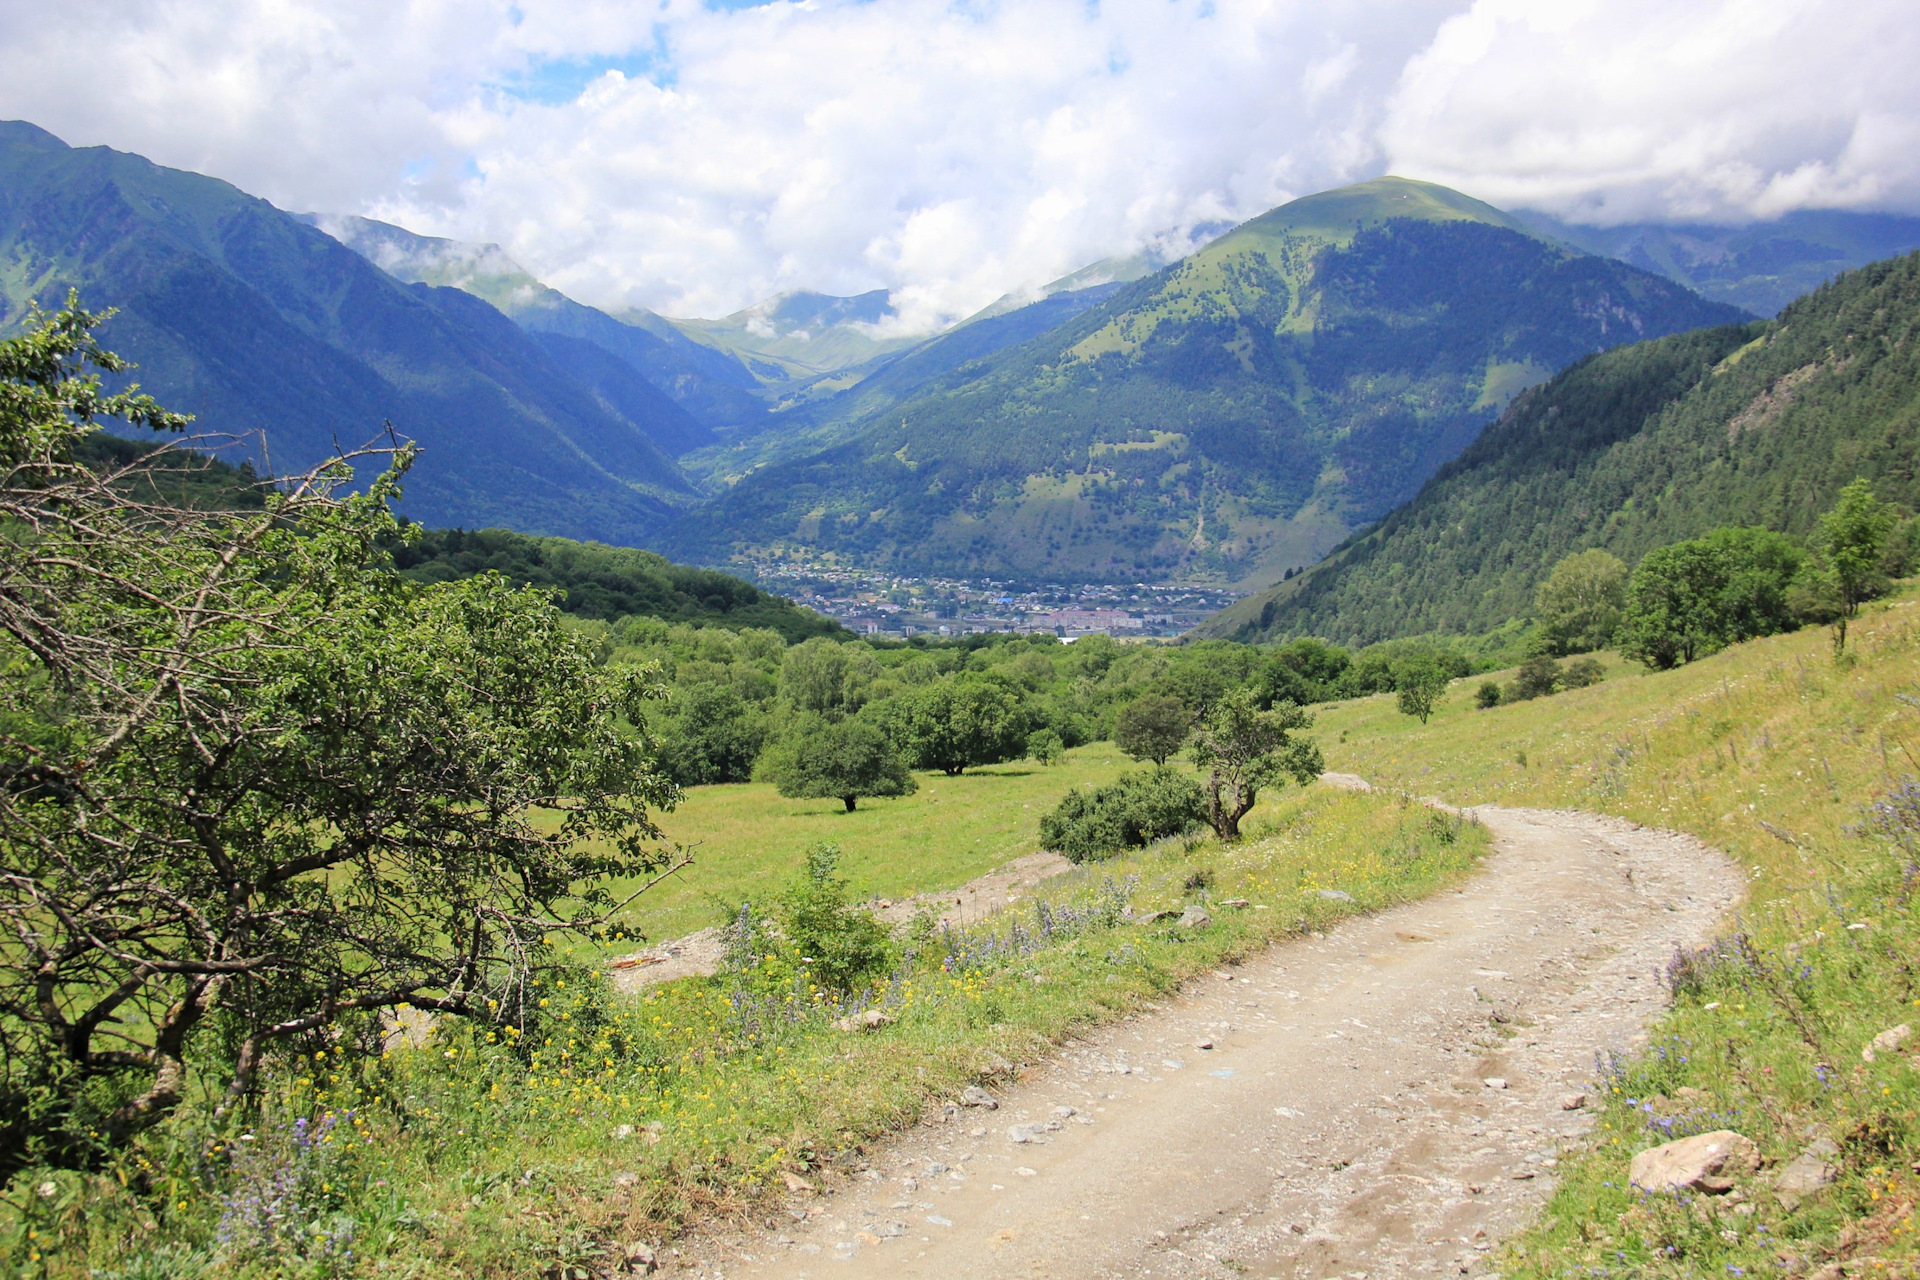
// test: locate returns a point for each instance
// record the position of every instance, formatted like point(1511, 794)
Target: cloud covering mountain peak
point(697, 157)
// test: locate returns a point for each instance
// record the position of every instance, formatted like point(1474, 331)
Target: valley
point(1374, 738)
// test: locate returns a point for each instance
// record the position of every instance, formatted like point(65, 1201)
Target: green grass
point(1772, 751)
point(490, 1154)
point(747, 839)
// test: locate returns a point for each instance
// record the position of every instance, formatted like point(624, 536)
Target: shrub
point(1135, 810)
point(1537, 677)
point(844, 944)
point(1487, 696)
point(1045, 747)
point(1582, 672)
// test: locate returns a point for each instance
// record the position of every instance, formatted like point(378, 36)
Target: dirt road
point(1385, 1101)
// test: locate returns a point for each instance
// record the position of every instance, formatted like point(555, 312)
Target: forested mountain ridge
point(1643, 445)
point(713, 387)
point(1761, 266)
point(1233, 414)
point(256, 322)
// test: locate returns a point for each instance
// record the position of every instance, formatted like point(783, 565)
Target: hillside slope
point(1759, 424)
point(713, 387)
point(255, 321)
point(1232, 415)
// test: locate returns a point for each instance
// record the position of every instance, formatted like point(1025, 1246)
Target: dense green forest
point(608, 583)
point(1631, 449)
point(1245, 406)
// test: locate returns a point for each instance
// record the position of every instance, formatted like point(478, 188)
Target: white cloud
point(1646, 109)
point(695, 159)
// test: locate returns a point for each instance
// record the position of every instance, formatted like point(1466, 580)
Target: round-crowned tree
point(843, 760)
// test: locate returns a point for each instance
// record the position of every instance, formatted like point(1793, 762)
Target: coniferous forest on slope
point(1759, 424)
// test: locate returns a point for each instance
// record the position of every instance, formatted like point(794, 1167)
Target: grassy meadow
point(615, 1119)
point(1794, 762)
point(746, 839)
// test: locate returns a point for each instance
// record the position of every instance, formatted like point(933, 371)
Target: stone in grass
point(1195, 918)
point(1573, 1101)
point(1705, 1162)
point(974, 1096)
point(639, 1259)
point(1152, 917)
point(1886, 1042)
point(1806, 1173)
point(1024, 1134)
point(796, 1183)
point(871, 1020)
point(1336, 895)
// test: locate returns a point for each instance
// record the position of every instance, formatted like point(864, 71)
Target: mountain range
point(1755, 424)
point(271, 331)
point(1233, 414)
point(1230, 415)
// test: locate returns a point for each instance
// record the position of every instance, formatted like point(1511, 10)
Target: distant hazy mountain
point(714, 387)
point(1758, 424)
point(1234, 414)
point(797, 337)
point(833, 414)
point(254, 320)
point(1761, 266)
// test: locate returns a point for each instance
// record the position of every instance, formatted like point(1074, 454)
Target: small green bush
point(1045, 747)
point(844, 944)
point(1582, 672)
point(1487, 696)
point(1136, 810)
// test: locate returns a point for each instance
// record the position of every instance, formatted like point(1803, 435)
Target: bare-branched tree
point(251, 780)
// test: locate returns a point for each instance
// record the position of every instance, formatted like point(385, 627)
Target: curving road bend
point(1385, 1101)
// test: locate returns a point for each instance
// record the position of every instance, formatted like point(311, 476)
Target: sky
point(695, 156)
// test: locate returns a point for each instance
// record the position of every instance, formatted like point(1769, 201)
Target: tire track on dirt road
point(1387, 1100)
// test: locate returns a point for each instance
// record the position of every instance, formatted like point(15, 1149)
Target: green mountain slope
point(833, 415)
point(1232, 415)
point(1760, 266)
point(259, 323)
point(713, 387)
point(1643, 445)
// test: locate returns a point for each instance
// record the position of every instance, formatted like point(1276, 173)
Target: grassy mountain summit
point(1758, 424)
point(1232, 415)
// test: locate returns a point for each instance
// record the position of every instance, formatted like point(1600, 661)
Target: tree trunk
point(848, 801)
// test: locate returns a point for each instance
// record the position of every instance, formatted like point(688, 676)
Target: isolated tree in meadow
point(1418, 684)
point(1851, 540)
point(1579, 605)
point(253, 782)
point(1690, 598)
point(1152, 728)
point(1242, 749)
point(837, 760)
